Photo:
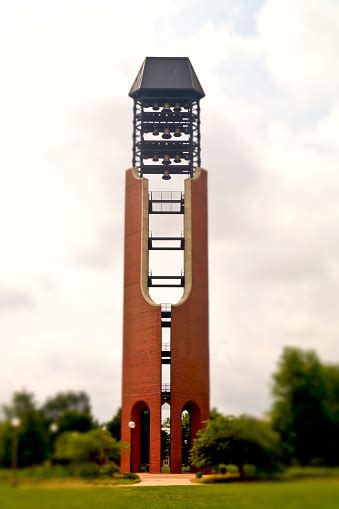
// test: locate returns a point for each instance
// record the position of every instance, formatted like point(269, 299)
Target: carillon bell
point(155, 131)
point(177, 107)
point(187, 131)
point(177, 132)
point(155, 158)
point(166, 175)
point(177, 158)
point(187, 157)
point(167, 134)
point(166, 107)
point(166, 160)
point(156, 106)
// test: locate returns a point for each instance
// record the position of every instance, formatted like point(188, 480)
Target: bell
point(166, 175)
point(146, 105)
point(155, 158)
point(177, 107)
point(187, 157)
point(186, 106)
point(177, 132)
point(167, 134)
point(187, 131)
point(166, 160)
point(177, 158)
point(166, 107)
point(155, 131)
point(155, 106)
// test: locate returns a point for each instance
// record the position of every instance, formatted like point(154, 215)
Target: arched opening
point(165, 437)
point(140, 438)
point(166, 249)
point(185, 439)
point(190, 424)
point(144, 440)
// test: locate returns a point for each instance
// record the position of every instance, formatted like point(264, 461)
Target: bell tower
point(165, 335)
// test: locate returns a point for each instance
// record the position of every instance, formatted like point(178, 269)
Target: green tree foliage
point(32, 433)
point(96, 446)
point(185, 436)
point(305, 409)
point(165, 438)
point(70, 410)
point(236, 440)
point(331, 374)
point(114, 425)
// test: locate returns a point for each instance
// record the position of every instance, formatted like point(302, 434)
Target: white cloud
point(300, 42)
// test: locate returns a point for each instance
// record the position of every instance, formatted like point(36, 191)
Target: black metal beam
point(151, 169)
point(181, 247)
point(166, 314)
point(164, 200)
point(166, 212)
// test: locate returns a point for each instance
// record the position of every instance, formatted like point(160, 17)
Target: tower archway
point(190, 424)
point(165, 436)
point(140, 437)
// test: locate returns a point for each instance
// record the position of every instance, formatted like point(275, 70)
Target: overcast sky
point(270, 124)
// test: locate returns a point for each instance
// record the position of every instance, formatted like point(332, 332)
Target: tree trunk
point(241, 471)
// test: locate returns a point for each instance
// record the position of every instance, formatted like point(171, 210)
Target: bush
point(232, 469)
point(87, 470)
point(109, 469)
point(131, 476)
point(96, 446)
point(237, 440)
point(199, 475)
point(222, 469)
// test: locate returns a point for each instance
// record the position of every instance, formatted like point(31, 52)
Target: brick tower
point(160, 339)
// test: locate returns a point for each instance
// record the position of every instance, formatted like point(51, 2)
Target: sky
point(270, 123)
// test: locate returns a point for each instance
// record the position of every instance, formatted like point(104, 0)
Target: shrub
point(131, 476)
point(242, 440)
point(96, 446)
point(109, 469)
point(85, 470)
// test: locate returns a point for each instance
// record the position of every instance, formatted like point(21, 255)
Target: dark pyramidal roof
point(174, 75)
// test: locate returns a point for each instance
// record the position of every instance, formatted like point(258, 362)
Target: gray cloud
point(15, 300)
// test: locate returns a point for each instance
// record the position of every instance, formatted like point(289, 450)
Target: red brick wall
point(189, 331)
point(141, 378)
point(142, 335)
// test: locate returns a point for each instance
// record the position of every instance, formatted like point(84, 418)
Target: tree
point(165, 438)
point(299, 410)
point(114, 425)
point(70, 410)
point(236, 440)
point(185, 436)
point(32, 433)
point(96, 446)
point(331, 374)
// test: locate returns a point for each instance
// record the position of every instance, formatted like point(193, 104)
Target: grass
point(305, 494)
point(49, 477)
point(292, 474)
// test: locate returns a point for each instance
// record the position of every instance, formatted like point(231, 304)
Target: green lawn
point(306, 494)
